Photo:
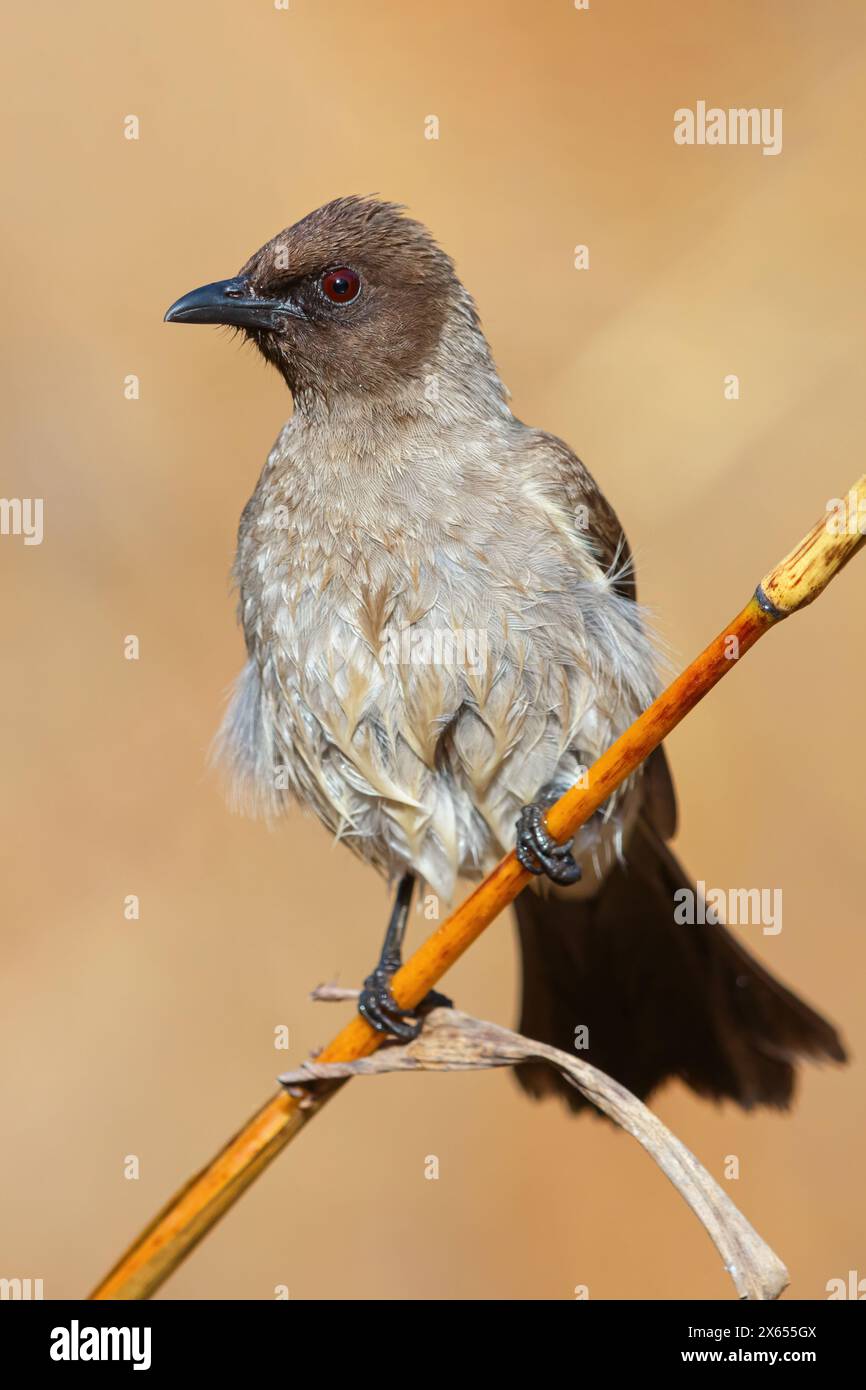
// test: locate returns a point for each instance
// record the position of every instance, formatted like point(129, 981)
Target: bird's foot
point(539, 852)
point(434, 1000)
point(378, 1006)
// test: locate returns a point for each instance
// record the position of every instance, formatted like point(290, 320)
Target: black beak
point(228, 301)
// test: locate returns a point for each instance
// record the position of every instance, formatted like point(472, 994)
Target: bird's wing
point(578, 490)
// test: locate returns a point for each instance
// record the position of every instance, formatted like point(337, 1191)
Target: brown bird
point(442, 633)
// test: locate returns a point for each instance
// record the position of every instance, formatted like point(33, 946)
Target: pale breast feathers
point(416, 677)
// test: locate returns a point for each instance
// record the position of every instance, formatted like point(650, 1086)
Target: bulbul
point(442, 634)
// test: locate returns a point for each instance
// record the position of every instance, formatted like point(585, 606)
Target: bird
point(442, 635)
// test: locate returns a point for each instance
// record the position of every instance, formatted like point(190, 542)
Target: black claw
point(376, 1003)
point(434, 1000)
point(538, 852)
point(378, 1006)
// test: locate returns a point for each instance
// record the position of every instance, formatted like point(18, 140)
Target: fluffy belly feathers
point(416, 717)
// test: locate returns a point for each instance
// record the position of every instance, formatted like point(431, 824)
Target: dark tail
point(658, 999)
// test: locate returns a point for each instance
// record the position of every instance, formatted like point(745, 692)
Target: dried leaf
point(454, 1041)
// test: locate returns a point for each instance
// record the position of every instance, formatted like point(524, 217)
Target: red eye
point(341, 286)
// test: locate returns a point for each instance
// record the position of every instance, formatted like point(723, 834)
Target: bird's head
point(353, 298)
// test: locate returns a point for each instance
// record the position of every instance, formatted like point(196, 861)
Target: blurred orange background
point(154, 1037)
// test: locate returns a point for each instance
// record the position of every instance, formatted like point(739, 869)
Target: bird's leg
point(376, 1002)
point(537, 850)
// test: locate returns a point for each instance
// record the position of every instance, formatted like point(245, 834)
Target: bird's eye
point(341, 286)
